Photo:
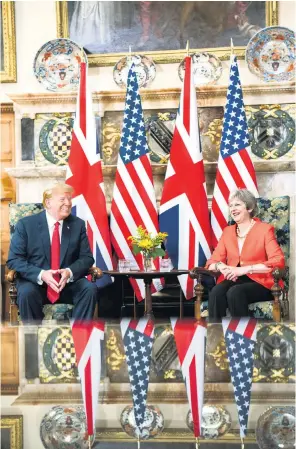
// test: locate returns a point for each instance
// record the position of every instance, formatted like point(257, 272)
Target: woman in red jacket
point(246, 254)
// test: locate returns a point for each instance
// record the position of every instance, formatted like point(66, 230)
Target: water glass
point(123, 265)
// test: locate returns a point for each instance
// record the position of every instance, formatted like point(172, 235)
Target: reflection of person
point(245, 255)
point(51, 253)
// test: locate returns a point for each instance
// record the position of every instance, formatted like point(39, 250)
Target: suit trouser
point(81, 293)
point(236, 296)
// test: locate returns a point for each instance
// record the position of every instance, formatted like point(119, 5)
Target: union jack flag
point(190, 337)
point(84, 174)
point(137, 337)
point(235, 167)
point(87, 337)
point(134, 201)
point(240, 338)
point(184, 207)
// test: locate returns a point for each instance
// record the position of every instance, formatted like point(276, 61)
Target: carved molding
point(6, 107)
point(173, 435)
point(159, 95)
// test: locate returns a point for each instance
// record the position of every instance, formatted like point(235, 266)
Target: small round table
point(147, 277)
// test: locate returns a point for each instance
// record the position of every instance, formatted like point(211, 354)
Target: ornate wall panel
point(9, 360)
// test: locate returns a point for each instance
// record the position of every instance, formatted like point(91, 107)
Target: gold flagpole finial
point(187, 48)
point(196, 443)
point(242, 441)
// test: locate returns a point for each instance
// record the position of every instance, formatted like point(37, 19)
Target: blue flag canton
point(241, 356)
point(235, 135)
point(138, 349)
point(133, 142)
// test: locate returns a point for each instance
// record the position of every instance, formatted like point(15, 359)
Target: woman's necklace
point(247, 231)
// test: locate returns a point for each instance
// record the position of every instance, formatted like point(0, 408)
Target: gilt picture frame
point(8, 72)
point(107, 29)
point(11, 432)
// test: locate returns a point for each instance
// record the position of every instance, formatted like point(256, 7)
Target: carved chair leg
point(13, 310)
point(276, 309)
point(199, 289)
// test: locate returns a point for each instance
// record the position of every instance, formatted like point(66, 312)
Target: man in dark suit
point(51, 253)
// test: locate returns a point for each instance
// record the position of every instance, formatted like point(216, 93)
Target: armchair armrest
point(196, 273)
point(280, 307)
point(12, 292)
point(96, 273)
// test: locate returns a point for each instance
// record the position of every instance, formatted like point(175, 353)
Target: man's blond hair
point(59, 187)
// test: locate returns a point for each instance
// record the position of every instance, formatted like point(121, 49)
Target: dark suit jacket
point(29, 251)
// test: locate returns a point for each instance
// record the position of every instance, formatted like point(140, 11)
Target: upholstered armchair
point(275, 211)
point(56, 311)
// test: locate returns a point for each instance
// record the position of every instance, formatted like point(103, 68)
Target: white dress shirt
point(51, 221)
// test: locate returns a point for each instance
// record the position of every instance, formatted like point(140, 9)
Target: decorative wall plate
point(64, 428)
point(215, 421)
point(270, 54)
point(276, 428)
point(153, 423)
point(207, 68)
point(56, 65)
point(145, 70)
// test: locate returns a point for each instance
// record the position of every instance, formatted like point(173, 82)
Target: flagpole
point(139, 444)
point(231, 48)
point(187, 48)
point(89, 441)
point(242, 441)
point(196, 443)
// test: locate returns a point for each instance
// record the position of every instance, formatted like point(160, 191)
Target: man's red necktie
point(55, 261)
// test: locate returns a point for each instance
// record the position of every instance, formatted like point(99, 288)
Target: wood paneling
point(9, 360)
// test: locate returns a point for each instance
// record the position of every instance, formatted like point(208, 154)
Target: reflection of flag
point(87, 337)
point(240, 338)
point(134, 201)
point(184, 206)
point(84, 174)
point(235, 167)
point(137, 337)
point(190, 337)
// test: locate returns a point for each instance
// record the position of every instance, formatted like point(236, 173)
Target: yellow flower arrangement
point(144, 243)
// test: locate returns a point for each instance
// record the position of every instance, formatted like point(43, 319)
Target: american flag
point(184, 207)
point(235, 167)
point(240, 339)
point(137, 337)
point(134, 201)
point(190, 337)
point(87, 337)
point(84, 174)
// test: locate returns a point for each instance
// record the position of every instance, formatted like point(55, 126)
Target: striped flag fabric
point(84, 174)
point(240, 338)
point(235, 167)
point(138, 337)
point(184, 207)
point(134, 201)
point(190, 337)
point(87, 338)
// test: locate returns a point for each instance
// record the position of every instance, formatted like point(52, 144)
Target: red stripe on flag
point(244, 154)
point(82, 98)
point(149, 328)
point(133, 324)
point(222, 185)
point(250, 328)
point(90, 236)
point(130, 205)
point(233, 323)
point(88, 398)
point(135, 176)
point(194, 398)
point(234, 173)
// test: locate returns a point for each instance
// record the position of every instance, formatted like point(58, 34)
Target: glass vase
point(147, 262)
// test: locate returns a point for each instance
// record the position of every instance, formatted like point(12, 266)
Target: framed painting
point(107, 29)
point(7, 46)
point(11, 432)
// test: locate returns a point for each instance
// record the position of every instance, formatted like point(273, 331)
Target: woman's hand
point(232, 273)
